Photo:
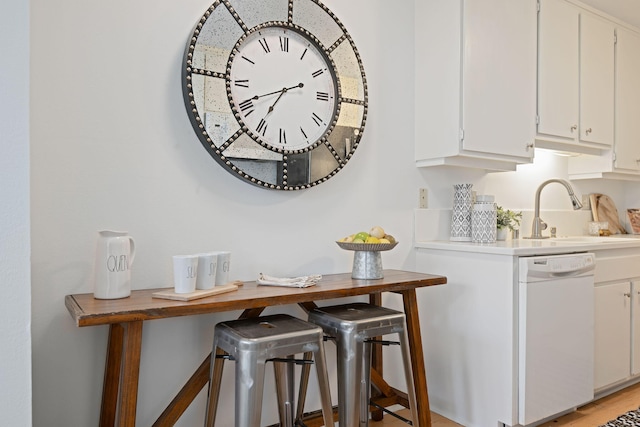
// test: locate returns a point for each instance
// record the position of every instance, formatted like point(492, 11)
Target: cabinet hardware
point(529, 146)
point(627, 294)
point(588, 131)
point(573, 128)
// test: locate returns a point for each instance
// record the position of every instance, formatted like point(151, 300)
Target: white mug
point(207, 266)
point(185, 272)
point(224, 264)
point(115, 251)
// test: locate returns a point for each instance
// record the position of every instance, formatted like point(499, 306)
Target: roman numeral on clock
point(265, 46)
point(322, 96)
point(317, 73)
point(241, 83)
point(246, 107)
point(262, 127)
point(305, 135)
point(284, 44)
point(283, 137)
point(317, 119)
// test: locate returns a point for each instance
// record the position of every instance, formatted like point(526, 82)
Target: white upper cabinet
point(575, 79)
point(475, 83)
point(627, 147)
point(558, 68)
point(623, 161)
point(597, 64)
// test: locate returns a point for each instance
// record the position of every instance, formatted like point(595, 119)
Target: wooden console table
point(126, 316)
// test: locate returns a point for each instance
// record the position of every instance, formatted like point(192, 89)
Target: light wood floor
point(591, 415)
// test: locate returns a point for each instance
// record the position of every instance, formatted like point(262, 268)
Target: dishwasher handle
point(544, 272)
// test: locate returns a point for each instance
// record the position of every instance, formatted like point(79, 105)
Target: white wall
point(15, 305)
point(112, 148)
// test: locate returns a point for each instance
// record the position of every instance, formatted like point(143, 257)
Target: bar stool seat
point(354, 326)
point(254, 341)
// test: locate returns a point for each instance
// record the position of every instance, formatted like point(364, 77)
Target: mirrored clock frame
point(206, 77)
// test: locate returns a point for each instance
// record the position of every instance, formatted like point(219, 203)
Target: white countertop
point(527, 247)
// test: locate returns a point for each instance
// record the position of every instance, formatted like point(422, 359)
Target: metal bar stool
point(253, 342)
point(354, 326)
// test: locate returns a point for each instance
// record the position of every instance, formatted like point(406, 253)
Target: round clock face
point(275, 90)
point(283, 88)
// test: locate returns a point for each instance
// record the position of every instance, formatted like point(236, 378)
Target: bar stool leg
point(215, 381)
point(304, 382)
point(323, 384)
point(365, 385)
point(249, 390)
point(408, 374)
point(350, 352)
point(284, 375)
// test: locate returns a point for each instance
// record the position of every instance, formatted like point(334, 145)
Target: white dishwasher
point(556, 329)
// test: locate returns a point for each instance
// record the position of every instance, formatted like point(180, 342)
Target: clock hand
point(262, 126)
point(276, 101)
point(282, 92)
point(278, 91)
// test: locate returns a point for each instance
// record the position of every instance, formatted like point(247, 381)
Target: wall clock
point(275, 91)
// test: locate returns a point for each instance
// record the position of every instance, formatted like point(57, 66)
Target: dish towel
point(290, 282)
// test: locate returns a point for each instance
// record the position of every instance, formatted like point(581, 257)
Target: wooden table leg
point(130, 374)
point(111, 382)
point(417, 356)
point(183, 399)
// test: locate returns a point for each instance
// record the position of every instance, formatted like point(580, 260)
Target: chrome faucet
point(538, 224)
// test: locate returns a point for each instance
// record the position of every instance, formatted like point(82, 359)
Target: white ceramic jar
point(461, 213)
point(483, 220)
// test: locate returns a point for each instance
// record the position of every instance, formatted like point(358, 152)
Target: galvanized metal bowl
point(367, 247)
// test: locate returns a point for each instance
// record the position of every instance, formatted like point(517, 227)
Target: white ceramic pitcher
point(112, 270)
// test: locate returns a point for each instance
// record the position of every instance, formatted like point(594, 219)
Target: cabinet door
point(597, 38)
point(558, 69)
point(635, 328)
point(612, 333)
point(499, 80)
point(627, 144)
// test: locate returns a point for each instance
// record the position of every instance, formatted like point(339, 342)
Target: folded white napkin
point(291, 282)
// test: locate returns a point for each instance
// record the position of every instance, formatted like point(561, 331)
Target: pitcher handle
point(133, 251)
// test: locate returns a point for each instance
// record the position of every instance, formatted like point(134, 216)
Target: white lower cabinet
point(635, 327)
point(470, 336)
point(470, 331)
point(617, 318)
point(612, 334)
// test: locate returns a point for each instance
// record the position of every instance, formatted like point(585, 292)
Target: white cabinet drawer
point(617, 268)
